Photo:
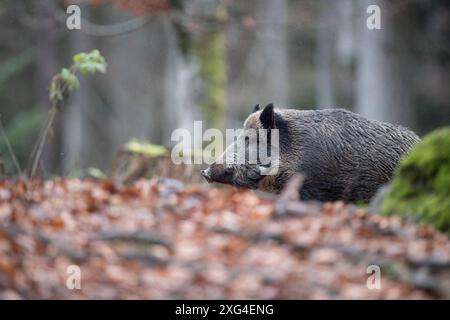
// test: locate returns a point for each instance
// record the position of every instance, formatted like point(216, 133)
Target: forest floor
point(160, 239)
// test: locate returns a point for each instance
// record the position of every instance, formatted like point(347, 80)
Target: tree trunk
point(269, 56)
point(324, 55)
point(385, 64)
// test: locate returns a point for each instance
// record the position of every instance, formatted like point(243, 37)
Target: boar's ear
point(267, 117)
point(256, 108)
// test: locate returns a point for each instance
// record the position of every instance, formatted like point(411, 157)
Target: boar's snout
point(207, 174)
point(218, 173)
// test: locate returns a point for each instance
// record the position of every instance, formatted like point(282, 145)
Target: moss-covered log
point(421, 185)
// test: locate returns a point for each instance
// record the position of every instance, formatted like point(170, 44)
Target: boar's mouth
point(248, 177)
point(217, 173)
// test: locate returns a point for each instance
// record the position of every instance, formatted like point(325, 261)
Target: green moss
point(421, 185)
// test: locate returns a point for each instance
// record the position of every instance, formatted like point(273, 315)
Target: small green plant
point(61, 86)
point(96, 173)
point(147, 149)
point(421, 185)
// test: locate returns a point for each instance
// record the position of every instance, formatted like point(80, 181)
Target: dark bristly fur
point(342, 155)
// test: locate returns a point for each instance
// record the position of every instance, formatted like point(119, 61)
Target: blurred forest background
point(171, 62)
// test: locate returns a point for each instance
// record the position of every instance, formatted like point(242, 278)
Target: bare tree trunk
point(180, 86)
point(196, 75)
point(76, 129)
point(385, 64)
point(324, 55)
point(135, 84)
point(277, 49)
point(269, 60)
point(345, 41)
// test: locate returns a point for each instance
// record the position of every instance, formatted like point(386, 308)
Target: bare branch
point(140, 236)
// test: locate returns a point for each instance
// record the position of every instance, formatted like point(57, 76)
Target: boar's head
point(252, 156)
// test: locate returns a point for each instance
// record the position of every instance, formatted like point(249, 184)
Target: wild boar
point(341, 155)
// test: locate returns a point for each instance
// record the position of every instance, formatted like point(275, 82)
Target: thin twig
point(39, 147)
point(40, 144)
point(10, 150)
